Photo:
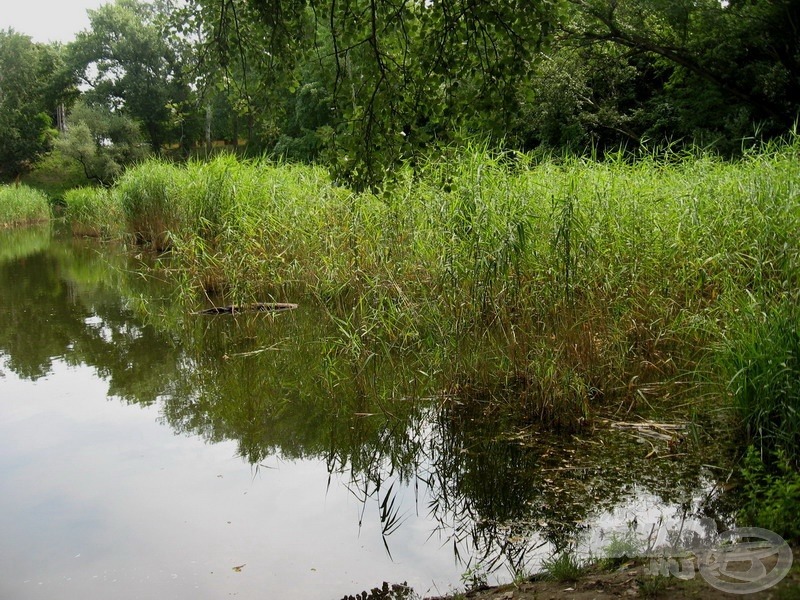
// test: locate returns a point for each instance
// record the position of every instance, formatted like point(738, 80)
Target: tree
point(369, 83)
point(103, 142)
point(397, 74)
point(734, 65)
point(25, 125)
point(132, 65)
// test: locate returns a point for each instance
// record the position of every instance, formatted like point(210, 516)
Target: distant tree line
point(363, 84)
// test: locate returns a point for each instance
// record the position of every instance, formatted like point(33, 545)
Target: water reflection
point(281, 387)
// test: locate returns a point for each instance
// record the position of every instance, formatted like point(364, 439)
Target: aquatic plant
point(543, 287)
point(150, 198)
point(771, 493)
point(763, 364)
point(22, 205)
point(92, 211)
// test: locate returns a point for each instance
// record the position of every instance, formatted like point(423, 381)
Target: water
point(146, 452)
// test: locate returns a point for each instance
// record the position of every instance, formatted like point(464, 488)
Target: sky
point(47, 20)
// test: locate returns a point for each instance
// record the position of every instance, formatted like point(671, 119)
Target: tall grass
point(762, 360)
point(150, 198)
point(540, 287)
point(22, 205)
point(254, 227)
point(93, 212)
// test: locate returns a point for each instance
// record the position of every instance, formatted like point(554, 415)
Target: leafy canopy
point(26, 72)
point(130, 63)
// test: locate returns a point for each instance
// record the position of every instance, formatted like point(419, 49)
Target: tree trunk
point(209, 114)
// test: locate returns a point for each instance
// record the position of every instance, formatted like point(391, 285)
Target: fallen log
point(243, 308)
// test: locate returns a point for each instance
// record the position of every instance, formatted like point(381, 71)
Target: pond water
point(149, 453)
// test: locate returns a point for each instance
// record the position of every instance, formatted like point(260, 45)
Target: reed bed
point(542, 288)
point(93, 212)
point(151, 200)
point(22, 205)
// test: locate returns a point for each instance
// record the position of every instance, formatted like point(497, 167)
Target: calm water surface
point(149, 453)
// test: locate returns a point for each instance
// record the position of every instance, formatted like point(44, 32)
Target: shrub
point(772, 494)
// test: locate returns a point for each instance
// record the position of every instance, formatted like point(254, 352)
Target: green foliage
point(22, 205)
point(133, 67)
point(357, 82)
point(303, 135)
point(772, 493)
point(367, 85)
point(581, 97)
point(93, 211)
point(102, 142)
point(25, 126)
point(764, 358)
point(716, 73)
point(564, 566)
point(54, 174)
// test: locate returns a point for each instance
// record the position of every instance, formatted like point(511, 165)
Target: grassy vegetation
point(150, 198)
point(762, 358)
point(563, 567)
point(93, 212)
point(55, 174)
point(772, 494)
point(21, 205)
point(620, 549)
point(544, 288)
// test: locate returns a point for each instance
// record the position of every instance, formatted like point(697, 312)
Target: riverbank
point(630, 580)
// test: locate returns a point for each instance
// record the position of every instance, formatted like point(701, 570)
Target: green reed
point(545, 285)
point(761, 359)
point(22, 205)
point(150, 198)
point(93, 212)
